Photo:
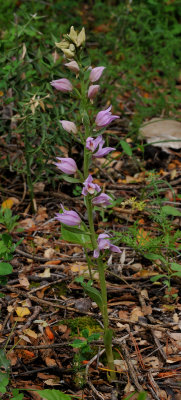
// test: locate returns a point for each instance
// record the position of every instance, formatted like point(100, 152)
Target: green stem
point(102, 280)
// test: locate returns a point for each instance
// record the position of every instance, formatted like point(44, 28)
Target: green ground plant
point(7, 247)
point(162, 248)
point(138, 41)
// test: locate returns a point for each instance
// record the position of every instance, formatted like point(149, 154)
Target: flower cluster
point(105, 244)
point(70, 46)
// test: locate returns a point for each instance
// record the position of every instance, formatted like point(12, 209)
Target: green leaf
point(169, 210)
point(52, 394)
point(94, 294)
point(78, 238)
point(4, 362)
point(176, 267)
point(70, 179)
point(85, 333)
point(5, 268)
point(157, 277)
point(154, 257)
point(78, 343)
point(93, 336)
point(4, 380)
point(126, 147)
point(17, 395)
point(177, 274)
point(76, 230)
point(142, 396)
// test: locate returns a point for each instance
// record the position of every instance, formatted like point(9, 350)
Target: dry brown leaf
point(49, 253)
point(123, 314)
point(23, 280)
point(50, 362)
point(135, 314)
point(41, 214)
point(62, 328)
point(45, 273)
point(40, 241)
point(152, 361)
point(175, 336)
point(53, 382)
point(30, 333)
point(27, 224)
point(12, 357)
point(38, 187)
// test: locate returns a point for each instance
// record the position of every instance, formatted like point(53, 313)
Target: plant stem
point(102, 280)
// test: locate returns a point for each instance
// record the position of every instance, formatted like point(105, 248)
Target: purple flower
point(105, 244)
point(92, 92)
point(73, 66)
point(96, 73)
point(105, 117)
point(66, 165)
point(103, 151)
point(102, 200)
point(69, 126)
point(64, 85)
point(70, 218)
point(91, 144)
point(90, 187)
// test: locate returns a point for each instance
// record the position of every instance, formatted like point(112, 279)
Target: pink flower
point(96, 73)
point(92, 144)
point(105, 244)
point(69, 126)
point(105, 117)
point(92, 92)
point(103, 151)
point(66, 165)
point(102, 200)
point(64, 85)
point(73, 66)
point(70, 218)
point(89, 187)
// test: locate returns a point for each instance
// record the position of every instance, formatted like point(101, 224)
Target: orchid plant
point(89, 134)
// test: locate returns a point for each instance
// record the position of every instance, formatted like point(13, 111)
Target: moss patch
point(78, 324)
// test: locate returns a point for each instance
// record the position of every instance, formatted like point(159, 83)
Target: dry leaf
point(12, 357)
point(24, 52)
point(22, 311)
point(41, 214)
point(24, 281)
point(152, 361)
point(46, 273)
point(53, 382)
point(159, 130)
point(30, 333)
point(49, 253)
point(49, 333)
point(175, 336)
point(10, 308)
point(50, 362)
point(9, 203)
point(135, 314)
